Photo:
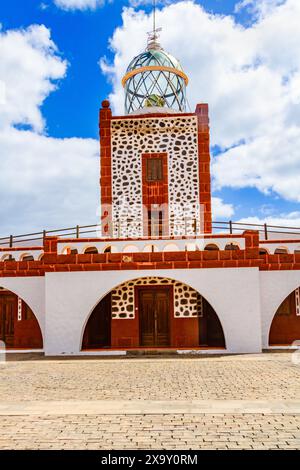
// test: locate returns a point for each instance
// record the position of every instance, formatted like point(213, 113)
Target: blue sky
point(82, 38)
point(241, 143)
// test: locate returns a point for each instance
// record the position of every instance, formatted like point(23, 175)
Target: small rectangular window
point(154, 169)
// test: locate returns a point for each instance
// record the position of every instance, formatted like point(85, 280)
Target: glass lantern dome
point(154, 78)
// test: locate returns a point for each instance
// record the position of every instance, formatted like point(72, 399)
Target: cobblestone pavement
point(151, 432)
point(248, 377)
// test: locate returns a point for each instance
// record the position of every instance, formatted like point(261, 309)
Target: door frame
point(168, 287)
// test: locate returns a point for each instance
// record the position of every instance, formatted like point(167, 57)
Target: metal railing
point(93, 231)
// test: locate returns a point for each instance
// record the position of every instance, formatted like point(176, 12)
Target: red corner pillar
point(105, 169)
point(204, 166)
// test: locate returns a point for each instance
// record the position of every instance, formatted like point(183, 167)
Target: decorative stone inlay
point(187, 301)
point(176, 136)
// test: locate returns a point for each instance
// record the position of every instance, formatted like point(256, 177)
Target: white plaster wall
point(233, 293)
point(32, 291)
point(275, 287)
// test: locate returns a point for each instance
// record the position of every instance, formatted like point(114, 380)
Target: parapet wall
point(50, 259)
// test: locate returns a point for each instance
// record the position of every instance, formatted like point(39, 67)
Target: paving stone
point(243, 377)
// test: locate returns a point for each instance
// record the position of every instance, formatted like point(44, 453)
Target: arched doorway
point(285, 327)
point(19, 328)
point(97, 332)
point(153, 312)
point(210, 329)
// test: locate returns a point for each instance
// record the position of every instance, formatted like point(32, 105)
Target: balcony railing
point(266, 232)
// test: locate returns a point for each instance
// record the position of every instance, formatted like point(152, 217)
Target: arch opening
point(91, 250)
point(153, 312)
point(19, 328)
point(211, 247)
point(232, 246)
point(285, 327)
point(281, 251)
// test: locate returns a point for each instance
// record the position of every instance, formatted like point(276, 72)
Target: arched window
point(232, 246)
point(280, 251)
point(211, 247)
point(27, 258)
point(8, 258)
point(92, 250)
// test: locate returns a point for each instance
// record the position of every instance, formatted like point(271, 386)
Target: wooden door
point(7, 313)
point(154, 314)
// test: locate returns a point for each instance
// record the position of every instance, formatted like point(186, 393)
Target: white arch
point(113, 248)
point(71, 298)
point(135, 279)
point(267, 250)
point(234, 243)
point(32, 291)
point(281, 248)
point(149, 248)
point(130, 249)
point(212, 244)
point(190, 247)
point(87, 247)
point(171, 247)
point(22, 256)
point(275, 287)
point(5, 257)
point(66, 249)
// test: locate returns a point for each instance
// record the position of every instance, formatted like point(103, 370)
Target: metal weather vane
point(154, 34)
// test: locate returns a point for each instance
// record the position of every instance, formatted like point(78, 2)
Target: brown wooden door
point(154, 314)
point(7, 312)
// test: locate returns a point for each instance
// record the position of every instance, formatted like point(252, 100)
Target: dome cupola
point(154, 78)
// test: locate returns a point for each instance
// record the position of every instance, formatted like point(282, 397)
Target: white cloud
point(44, 182)
point(221, 210)
point(138, 3)
point(250, 76)
point(284, 219)
point(79, 4)
point(47, 182)
point(258, 7)
point(29, 70)
point(289, 221)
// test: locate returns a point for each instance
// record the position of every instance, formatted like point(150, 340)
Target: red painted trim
point(23, 249)
point(249, 257)
point(151, 116)
point(105, 117)
point(155, 192)
point(204, 166)
point(284, 241)
point(183, 237)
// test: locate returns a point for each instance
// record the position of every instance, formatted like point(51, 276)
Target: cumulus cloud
point(47, 182)
point(79, 4)
point(44, 182)
point(284, 219)
point(250, 77)
point(29, 70)
point(290, 219)
point(221, 210)
point(258, 7)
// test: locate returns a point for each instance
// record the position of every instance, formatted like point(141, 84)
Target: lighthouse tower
point(155, 160)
